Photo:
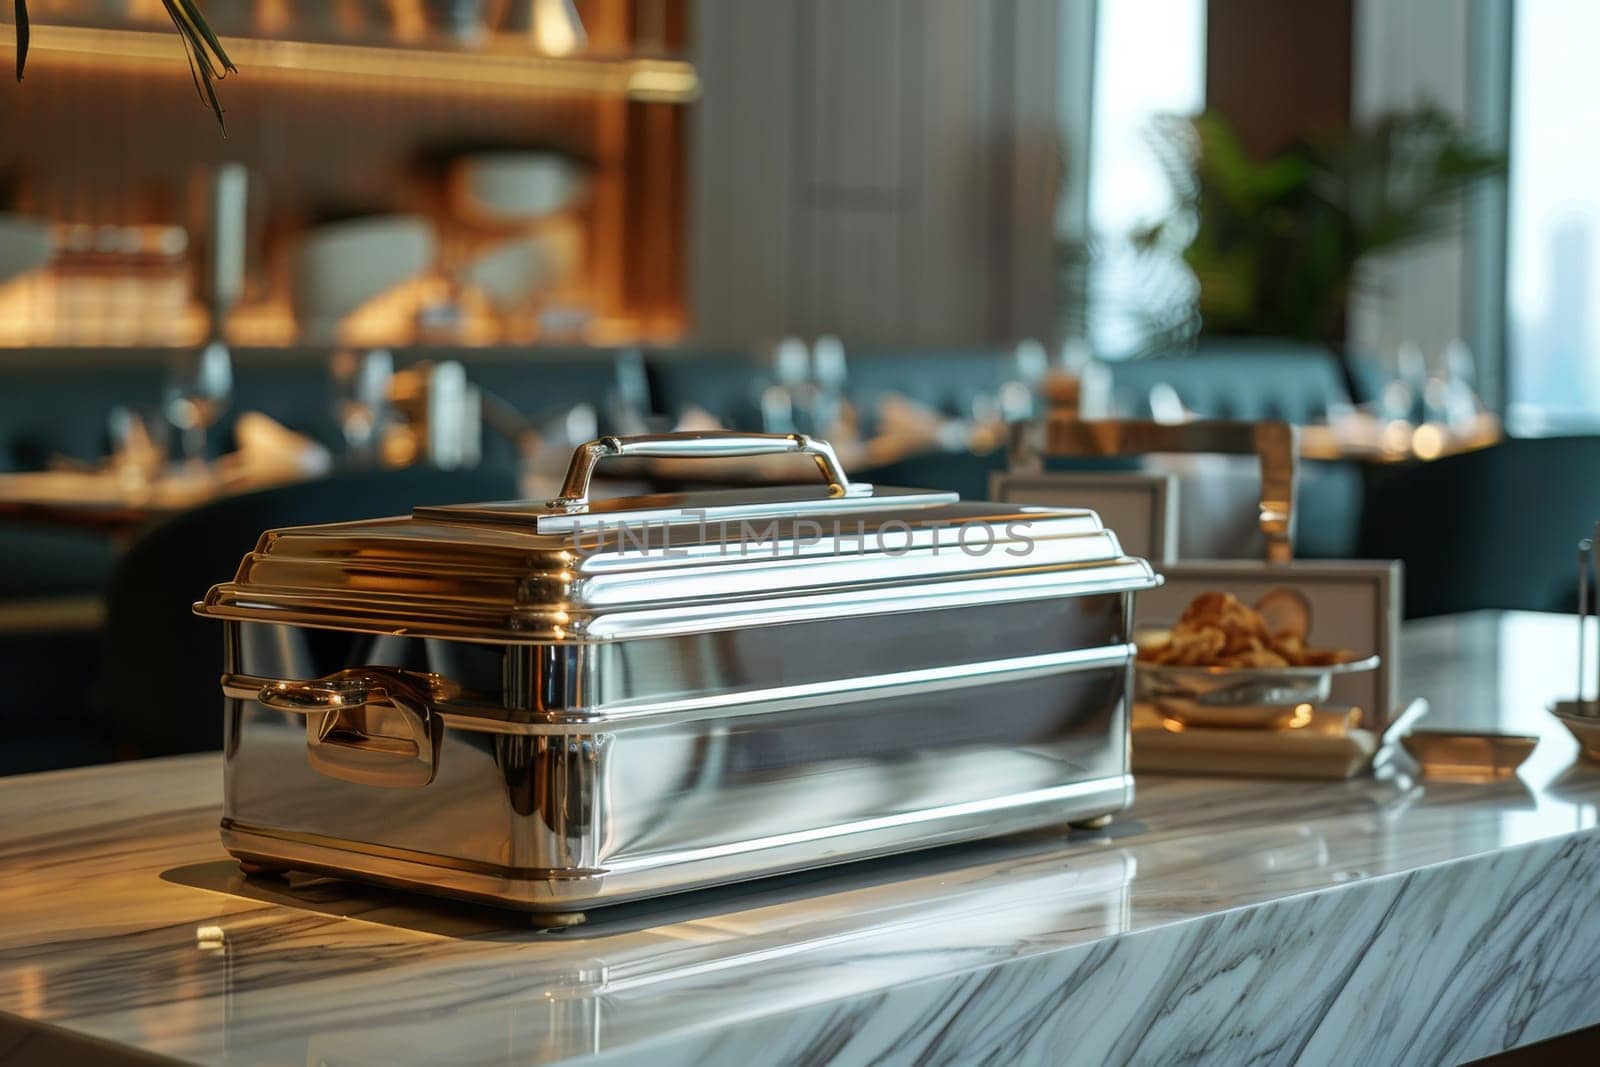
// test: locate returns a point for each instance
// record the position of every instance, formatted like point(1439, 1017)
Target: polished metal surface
point(1276, 444)
point(705, 507)
point(570, 819)
point(368, 725)
point(1581, 716)
point(703, 445)
point(477, 707)
point(657, 567)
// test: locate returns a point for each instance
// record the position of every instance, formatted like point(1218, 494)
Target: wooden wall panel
point(848, 133)
point(741, 169)
point(950, 255)
point(850, 273)
point(884, 171)
point(851, 94)
point(1036, 154)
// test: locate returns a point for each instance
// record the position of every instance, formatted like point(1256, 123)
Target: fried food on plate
point(1219, 630)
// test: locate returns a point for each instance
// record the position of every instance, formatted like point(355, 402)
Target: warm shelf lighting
point(636, 78)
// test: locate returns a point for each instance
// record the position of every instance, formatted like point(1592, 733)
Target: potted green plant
point(1274, 244)
point(208, 60)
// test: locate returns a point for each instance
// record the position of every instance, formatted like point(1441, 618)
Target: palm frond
point(197, 24)
point(22, 36)
point(208, 60)
point(1274, 243)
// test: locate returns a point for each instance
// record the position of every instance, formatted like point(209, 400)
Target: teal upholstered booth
point(1237, 378)
point(1497, 528)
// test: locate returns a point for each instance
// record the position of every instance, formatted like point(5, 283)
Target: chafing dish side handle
point(702, 445)
point(304, 698)
point(368, 725)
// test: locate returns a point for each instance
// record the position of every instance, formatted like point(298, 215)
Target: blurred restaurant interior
point(439, 244)
point(417, 252)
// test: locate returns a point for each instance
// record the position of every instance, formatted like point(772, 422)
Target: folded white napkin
point(899, 416)
point(696, 419)
point(268, 448)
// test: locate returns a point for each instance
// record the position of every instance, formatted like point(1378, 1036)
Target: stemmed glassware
point(199, 382)
point(197, 391)
point(361, 384)
point(830, 375)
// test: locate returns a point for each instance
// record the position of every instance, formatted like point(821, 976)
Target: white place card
point(1142, 509)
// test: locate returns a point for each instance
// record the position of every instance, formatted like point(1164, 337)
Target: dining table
point(103, 500)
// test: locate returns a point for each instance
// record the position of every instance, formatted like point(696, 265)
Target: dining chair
point(157, 693)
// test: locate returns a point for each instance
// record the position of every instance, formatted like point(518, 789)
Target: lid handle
point(700, 445)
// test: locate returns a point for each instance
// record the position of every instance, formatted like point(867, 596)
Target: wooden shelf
point(641, 78)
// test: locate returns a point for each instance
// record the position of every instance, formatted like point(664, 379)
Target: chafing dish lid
point(572, 569)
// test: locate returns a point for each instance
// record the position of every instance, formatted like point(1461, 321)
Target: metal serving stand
point(1276, 444)
point(1581, 716)
point(1330, 747)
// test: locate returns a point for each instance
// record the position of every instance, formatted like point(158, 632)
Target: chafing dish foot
point(1099, 822)
point(256, 869)
point(556, 920)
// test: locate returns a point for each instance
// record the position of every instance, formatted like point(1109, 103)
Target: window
point(1150, 58)
point(1553, 277)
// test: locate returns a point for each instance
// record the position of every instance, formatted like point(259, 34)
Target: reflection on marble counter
point(1219, 921)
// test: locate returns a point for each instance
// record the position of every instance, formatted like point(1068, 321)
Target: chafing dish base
point(565, 895)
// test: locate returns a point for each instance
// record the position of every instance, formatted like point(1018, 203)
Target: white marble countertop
point(1218, 921)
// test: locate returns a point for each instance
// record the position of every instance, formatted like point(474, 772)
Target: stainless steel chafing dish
point(553, 706)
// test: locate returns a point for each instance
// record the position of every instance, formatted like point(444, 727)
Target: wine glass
point(628, 400)
point(198, 389)
point(138, 447)
point(361, 385)
point(1018, 396)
